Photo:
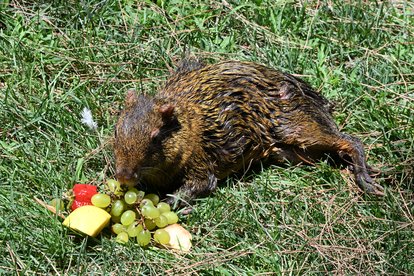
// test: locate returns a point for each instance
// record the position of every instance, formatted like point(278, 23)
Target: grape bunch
point(134, 214)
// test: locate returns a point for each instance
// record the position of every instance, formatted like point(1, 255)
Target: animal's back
point(243, 108)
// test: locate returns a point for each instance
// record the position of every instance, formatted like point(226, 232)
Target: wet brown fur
point(210, 121)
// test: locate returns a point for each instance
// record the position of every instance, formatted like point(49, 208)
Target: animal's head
point(142, 128)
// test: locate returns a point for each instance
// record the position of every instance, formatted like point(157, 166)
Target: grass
point(57, 57)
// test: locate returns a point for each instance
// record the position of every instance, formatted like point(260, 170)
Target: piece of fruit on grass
point(84, 192)
point(76, 204)
point(87, 219)
point(82, 195)
point(180, 239)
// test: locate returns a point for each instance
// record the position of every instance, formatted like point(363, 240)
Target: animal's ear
point(154, 133)
point(131, 97)
point(166, 111)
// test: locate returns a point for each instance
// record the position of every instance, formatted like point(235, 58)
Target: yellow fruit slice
point(180, 239)
point(87, 219)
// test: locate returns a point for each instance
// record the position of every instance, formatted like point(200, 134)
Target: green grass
point(57, 57)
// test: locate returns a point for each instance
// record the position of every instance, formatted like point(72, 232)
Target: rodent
point(210, 121)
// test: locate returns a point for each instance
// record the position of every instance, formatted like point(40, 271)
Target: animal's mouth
point(129, 183)
point(128, 179)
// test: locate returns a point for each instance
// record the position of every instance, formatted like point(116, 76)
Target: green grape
point(171, 216)
point(144, 238)
point(130, 197)
point(161, 236)
point(146, 201)
point(117, 208)
point(133, 229)
point(122, 237)
point(149, 211)
point(163, 207)
point(133, 189)
point(128, 217)
point(154, 198)
point(149, 224)
point(140, 194)
point(101, 200)
point(58, 204)
point(113, 185)
point(161, 221)
point(118, 228)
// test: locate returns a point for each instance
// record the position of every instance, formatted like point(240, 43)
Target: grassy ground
point(57, 57)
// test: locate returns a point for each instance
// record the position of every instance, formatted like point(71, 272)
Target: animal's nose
point(126, 176)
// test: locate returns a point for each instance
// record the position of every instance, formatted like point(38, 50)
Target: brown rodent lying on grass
point(210, 121)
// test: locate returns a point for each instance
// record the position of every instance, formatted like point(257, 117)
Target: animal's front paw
point(177, 202)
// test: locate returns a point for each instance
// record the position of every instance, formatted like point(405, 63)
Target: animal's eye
point(115, 133)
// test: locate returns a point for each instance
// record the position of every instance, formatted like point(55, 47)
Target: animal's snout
point(126, 177)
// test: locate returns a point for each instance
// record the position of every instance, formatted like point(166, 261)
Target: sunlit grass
point(57, 57)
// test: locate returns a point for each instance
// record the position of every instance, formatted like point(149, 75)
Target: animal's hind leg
point(347, 147)
point(350, 150)
point(305, 123)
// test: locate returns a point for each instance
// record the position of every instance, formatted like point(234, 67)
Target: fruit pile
point(135, 216)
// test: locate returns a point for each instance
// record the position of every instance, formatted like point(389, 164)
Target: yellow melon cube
point(87, 219)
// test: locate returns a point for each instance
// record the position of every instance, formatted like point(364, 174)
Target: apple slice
point(87, 219)
point(180, 239)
